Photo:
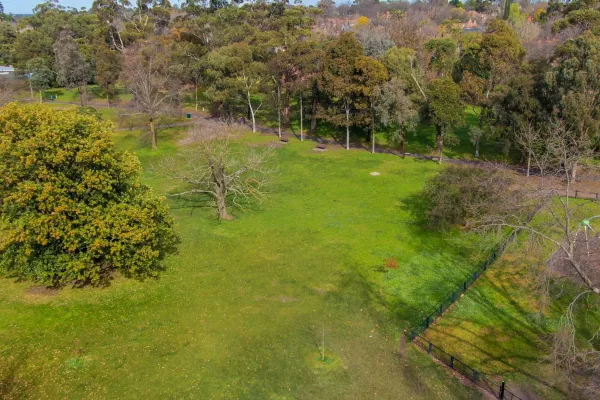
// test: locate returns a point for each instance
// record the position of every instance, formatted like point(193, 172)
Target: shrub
point(459, 194)
point(72, 209)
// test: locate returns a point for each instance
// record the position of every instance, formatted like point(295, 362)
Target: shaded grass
point(241, 309)
point(498, 328)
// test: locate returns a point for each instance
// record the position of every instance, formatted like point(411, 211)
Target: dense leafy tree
point(40, 76)
point(8, 35)
point(235, 75)
point(71, 68)
point(445, 110)
point(108, 69)
point(395, 111)
point(75, 212)
point(370, 75)
point(444, 55)
point(340, 81)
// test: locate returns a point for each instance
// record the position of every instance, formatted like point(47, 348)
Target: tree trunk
point(286, 111)
point(279, 111)
point(301, 120)
point(31, 88)
point(153, 134)
point(440, 142)
point(196, 90)
point(373, 142)
point(313, 115)
point(528, 162)
point(574, 172)
point(372, 128)
point(477, 147)
point(41, 100)
point(251, 113)
point(222, 208)
point(220, 189)
point(83, 95)
point(403, 145)
point(347, 106)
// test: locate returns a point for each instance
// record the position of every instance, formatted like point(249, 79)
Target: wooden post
point(430, 348)
point(452, 362)
point(502, 390)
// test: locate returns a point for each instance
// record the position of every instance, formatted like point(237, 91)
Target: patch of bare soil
point(41, 291)
point(587, 254)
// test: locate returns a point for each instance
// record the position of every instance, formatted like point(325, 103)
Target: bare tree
point(9, 89)
point(147, 73)
point(218, 165)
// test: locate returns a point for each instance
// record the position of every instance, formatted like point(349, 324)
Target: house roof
point(4, 68)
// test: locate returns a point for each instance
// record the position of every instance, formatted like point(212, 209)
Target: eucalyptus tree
point(234, 74)
point(395, 111)
point(340, 82)
point(72, 70)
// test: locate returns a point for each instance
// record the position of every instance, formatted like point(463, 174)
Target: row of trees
point(273, 59)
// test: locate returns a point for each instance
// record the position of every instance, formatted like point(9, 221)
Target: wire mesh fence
point(467, 282)
point(481, 380)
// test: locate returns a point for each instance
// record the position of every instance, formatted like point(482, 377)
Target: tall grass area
point(242, 310)
point(497, 327)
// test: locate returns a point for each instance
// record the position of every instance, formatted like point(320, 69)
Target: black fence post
point(441, 308)
point(475, 376)
point(430, 348)
point(464, 286)
point(452, 362)
point(502, 390)
point(426, 322)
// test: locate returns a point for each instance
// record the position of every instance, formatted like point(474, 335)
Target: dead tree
point(218, 165)
point(148, 75)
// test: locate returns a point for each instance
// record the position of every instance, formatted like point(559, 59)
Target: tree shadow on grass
point(490, 346)
point(11, 387)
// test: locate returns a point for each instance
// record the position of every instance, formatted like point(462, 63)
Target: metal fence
point(455, 295)
point(497, 389)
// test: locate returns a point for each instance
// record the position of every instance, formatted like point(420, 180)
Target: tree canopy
point(72, 208)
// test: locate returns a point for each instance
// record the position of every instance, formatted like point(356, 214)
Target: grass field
point(242, 309)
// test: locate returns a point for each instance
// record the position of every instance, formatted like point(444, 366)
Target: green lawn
point(240, 311)
point(496, 327)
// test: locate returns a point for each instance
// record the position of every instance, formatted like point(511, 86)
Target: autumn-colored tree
point(72, 208)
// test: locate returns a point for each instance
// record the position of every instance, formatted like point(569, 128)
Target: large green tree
point(72, 208)
point(445, 110)
point(340, 81)
point(72, 70)
point(40, 76)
